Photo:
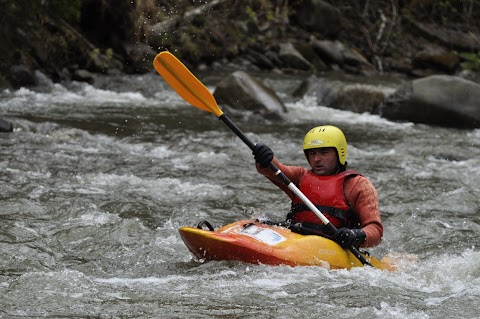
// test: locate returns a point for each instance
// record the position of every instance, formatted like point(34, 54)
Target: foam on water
point(79, 94)
point(170, 188)
point(96, 218)
point(202, 159)
point(161, 151)
point(85, 93)
point(307, 109)
point(425, 284)
point(431, 280)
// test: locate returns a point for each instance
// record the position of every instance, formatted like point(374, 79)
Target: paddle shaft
point(291, 186)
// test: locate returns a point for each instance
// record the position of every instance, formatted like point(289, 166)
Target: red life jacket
point(326, 193)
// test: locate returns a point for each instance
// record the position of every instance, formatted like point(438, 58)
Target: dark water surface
point(96, 180)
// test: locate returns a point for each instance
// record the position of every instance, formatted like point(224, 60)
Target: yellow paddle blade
point(185, 83)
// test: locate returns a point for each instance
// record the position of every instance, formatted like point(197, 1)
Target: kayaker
point(345, 197)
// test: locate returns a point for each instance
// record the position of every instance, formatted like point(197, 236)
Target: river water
point(96, 179)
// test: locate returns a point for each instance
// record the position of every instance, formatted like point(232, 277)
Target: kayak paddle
point(177, 75)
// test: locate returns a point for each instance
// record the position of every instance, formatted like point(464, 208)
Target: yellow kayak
point(255, 242)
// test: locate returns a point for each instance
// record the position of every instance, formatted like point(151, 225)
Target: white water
point(96, 180)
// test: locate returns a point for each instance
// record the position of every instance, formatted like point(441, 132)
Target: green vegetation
point(100, 60)
point(54, 35)
point(472, 61)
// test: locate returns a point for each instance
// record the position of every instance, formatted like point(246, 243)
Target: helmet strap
point(342, 168)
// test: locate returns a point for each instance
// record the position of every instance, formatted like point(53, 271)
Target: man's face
point(324, 161)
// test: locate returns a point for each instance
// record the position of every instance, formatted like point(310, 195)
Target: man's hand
point(347, 237)
point(263, 154)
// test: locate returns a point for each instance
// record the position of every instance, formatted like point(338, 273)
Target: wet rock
point(22, 76)
point(292, 58)
point(354, 97)
point(359, 98)
point(5, 126)
point(83, 76)
point(442, 100)
point(436, 58)
point(470, 75)
point(453, 39)
point(241, 91)
point(263, 61)
point(401, 65)
point(307, 51)
point(43, 80)
point(329, 51)
point(354, 58)
point(4, 83)
point(335, 52)
point(274, 58)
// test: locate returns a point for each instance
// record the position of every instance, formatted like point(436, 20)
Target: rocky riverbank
point(74, 40)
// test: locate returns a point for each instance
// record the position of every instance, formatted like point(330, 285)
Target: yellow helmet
point(327, 136)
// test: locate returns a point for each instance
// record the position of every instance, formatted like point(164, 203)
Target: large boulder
point(241, 91)
point(22, 76)
point(436, 58)
point(449, 37)
point(308, 52)
point(354, 97)
point(335, 52)
point(441, 100)
point(292, 58)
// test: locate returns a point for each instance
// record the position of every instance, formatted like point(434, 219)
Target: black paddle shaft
point(283, 178)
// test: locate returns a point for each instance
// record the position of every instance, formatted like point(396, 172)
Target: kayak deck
point(255, 242)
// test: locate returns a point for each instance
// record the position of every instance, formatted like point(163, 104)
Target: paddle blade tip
point(179, 77)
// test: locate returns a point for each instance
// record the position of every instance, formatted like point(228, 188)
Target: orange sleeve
point(294, 174)
point(362, 197)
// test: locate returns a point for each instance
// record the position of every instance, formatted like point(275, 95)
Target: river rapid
point(96, 179)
